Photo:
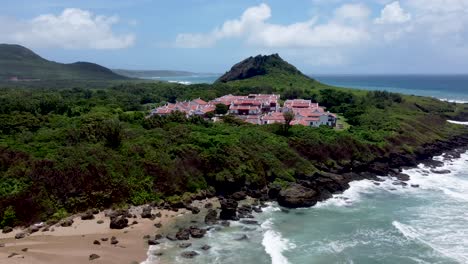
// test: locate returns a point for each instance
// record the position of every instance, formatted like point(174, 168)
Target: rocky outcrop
point(211, 217)
point(228, 209)
point(296, 195)
point(119, 222)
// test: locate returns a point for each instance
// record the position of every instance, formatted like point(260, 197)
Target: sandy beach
point(74, 244)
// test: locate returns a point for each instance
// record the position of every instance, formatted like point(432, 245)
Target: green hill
point(269, 70)
point(19, 62)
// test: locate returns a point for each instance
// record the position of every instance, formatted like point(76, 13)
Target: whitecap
point(458, 122)
point(180, 82)
point(275, 244)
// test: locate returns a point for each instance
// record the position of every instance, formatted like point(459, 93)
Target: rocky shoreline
point(210, 210)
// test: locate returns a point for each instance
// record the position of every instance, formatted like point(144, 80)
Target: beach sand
point(75, 244)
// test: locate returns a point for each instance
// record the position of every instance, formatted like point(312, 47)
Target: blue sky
point(318, 36)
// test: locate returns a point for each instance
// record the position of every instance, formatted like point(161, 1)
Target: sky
point(317, 36)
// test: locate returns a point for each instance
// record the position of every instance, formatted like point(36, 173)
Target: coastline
point(75, 244)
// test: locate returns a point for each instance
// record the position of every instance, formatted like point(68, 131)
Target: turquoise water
point(448, 87)
point(372, 222)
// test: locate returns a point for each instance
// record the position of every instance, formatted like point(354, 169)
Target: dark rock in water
point(146, 213)
point(415, 185)
point(241, 237)
point(241, 195)
point(211, 217)
point(20, 235)
point(257, 209)
point(208, 205)
point(104, 239)
point(67, 223)
point(183, 234)
point(87, 216)
point(379, 168)
point(400, 183)
point(296, 196)
point(205, 247)
point(7, 229)
point(189, 254)
point(433, 163)
point(25, 249)
point(441, 171)
point(228, 209)
point(93, 257)
point(184, 245)
point(119, 222)
point(152, 242)
point(376, 183)
point(158, 236)
point(196, 232)
point(171, 237)
point(95, 242)
point(402, 177)
point(226, 223)
point(249, 222)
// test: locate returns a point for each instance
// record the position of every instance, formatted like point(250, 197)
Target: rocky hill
point(260, 65)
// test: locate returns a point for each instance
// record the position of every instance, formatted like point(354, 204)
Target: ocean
point(371, 222)
point(445, 87)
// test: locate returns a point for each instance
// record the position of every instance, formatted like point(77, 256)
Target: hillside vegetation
point(66, 150)
point(18, 61)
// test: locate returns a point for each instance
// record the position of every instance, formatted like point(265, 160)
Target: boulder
point(211, 217)
point(273, 190)
point(158, 225)
point(228, 209)
point(87, 216)
point(114, 241)
point(196, 232)
point(238, 196)
point(402, 177)
point(146, 213)
point(67, 223)
point(189, 254)
point(441, 171)
point(104, 239)
point(93, 257)
point(7, 229)
point(183, 234)
point(152, 242)
point(184, 245)
point(20, 235)
point(96, 242)
point(205, 247)
point(208, 205)
point(195, 210)
point(119, 222)
point(296, 196)
point(171, 237)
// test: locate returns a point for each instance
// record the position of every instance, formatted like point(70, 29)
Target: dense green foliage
point(66, 150)
point(21, 62)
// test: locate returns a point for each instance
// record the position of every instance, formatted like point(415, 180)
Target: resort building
point(258, 109)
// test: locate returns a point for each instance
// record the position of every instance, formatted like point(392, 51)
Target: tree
point(288, 117)
point(221, 109)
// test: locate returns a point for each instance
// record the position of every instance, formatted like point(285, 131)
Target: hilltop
point(18, 62)
point(266, 70)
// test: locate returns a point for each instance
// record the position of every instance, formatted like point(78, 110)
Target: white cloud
point(72, 29)
point(393, 14)
point(254, 28)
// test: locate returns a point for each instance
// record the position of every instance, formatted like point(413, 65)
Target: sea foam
point(275, 244)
